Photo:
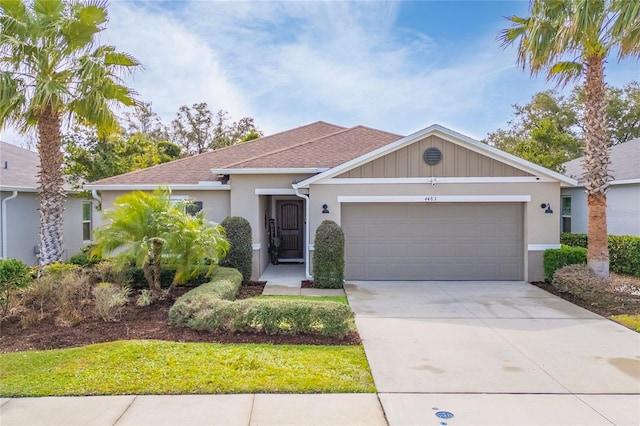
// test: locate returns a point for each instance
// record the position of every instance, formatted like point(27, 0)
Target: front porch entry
point(290, 230)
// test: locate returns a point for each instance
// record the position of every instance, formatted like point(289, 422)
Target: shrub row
point(210, 307)
point(555, 259)
point(624, 251)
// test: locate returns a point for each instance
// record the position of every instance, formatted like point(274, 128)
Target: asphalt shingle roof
point(317, 144)
point(625, 161)
point(21, 165)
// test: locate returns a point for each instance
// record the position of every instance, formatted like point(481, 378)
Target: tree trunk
point(596, 167)
point(51, 191)
point(156, 250)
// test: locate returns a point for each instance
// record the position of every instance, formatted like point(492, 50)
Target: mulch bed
point(136, 322)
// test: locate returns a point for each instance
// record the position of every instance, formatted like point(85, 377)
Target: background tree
point(544, 131)
point(623, 111)
point(197, 130)
point(144, 120)
point(53, 68)
point(569, 39)
point(89, 157)
point(549, 130)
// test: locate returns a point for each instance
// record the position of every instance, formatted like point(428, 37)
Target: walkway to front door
point(285, 279)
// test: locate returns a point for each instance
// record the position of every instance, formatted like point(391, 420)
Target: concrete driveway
point(494, 353)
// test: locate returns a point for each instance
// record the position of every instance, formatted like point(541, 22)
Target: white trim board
point(151, 187)
point(275, 191)
point(433, 180)
point(269, 171)
point(434, 199)
point(542, 247)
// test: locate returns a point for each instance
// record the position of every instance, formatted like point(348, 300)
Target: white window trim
point(89, 221)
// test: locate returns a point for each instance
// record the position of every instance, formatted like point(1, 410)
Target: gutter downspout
point(306, 231)
point(95, 196)
point(4, 223)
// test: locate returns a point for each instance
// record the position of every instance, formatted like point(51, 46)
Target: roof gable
point(456, 161)
point(497, 162)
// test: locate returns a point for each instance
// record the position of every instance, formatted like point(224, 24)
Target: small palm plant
point(148, 229)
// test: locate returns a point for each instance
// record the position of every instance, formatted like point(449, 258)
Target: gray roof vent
point(432, 156)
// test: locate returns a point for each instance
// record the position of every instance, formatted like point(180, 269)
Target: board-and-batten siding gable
point(457, 161)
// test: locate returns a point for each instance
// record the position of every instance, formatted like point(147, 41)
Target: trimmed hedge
point(211, 307)
point(240, 253)
point(328, 256)
point(554, 259)
point(624, 251)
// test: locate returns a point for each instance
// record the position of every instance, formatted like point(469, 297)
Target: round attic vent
point(432, 156)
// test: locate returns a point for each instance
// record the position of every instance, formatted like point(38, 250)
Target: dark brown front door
point(290, 225)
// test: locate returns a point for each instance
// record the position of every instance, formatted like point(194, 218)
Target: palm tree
point(569, 39)
point(151, 230)
point(138, 223)
point(52, 68)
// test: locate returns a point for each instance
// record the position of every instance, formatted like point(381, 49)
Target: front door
point(290, 224)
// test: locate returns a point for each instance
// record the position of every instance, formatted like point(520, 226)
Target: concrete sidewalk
point(194, 410)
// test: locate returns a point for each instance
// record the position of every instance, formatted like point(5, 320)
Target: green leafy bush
point(190, 309)
point(211, 307)
point(573, 240)
point(624, 251)
point(328, 256)
point(240, 253)
point(84, 258)
point(14, 275)
point(295, 317)
point(555, 259)
point(583, 283)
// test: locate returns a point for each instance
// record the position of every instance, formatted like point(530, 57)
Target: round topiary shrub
point(328, 256)
point(240, 253)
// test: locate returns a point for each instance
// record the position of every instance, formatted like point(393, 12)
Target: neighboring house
point(434, 205)
point(19, 212)
point(623, 196)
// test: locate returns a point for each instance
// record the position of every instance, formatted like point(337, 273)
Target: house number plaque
point(430, 198)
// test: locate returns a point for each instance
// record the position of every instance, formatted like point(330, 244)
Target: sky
point(395, 66)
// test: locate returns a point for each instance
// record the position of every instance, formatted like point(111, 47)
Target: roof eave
point(451, 136)
point(150, 187)
point(270, 171)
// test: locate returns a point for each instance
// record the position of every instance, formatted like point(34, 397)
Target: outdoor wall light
point(325, 209)
point(546, 206)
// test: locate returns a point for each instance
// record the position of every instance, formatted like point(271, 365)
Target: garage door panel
point(433, 241)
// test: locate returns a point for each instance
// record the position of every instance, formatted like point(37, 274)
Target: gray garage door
point(433, 241)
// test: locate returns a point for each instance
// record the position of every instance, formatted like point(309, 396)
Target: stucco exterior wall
point(246, 203)
point(623, 209)
point(540, 229)
point(215, 203)
point(23, 224)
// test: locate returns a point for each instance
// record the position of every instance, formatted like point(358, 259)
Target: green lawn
point(631, 321)
point(157, 367)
